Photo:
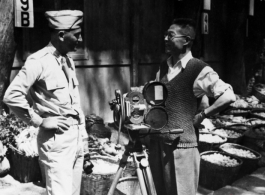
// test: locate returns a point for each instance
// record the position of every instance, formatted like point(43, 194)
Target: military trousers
point(62, 158)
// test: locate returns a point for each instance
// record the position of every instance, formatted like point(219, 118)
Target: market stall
point(233, 141)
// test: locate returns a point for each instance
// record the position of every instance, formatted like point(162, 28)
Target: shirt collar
point(183, 61)
point(55, 52)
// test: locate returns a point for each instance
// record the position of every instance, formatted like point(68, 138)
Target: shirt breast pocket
point(55, 84)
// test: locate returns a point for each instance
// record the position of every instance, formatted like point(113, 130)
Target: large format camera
point(141, 109)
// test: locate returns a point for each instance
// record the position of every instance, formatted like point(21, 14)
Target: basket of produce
point(258, 113)
point(218, 169)
point(254, 121)
point(24, 157)
point(210, 141)
point(22, 153)
point(128, 186)
point(232, 135)
point(256, 135)
point(104, 147)
point(237, 112)
point(95, 126)
point(4, 163)
point(259, 91)
point(250, 157)
point(240, 127)
point(100, 180)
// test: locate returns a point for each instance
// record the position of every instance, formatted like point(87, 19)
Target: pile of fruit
point(210, 138)
point(240, 152)
point(228, 133)
point(220, 159)
point(26, 141)
point(10, 127)
point(104, 147)
point(237, 111)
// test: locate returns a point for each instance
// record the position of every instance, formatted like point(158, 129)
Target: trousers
point(175, 170)
point(62, 158)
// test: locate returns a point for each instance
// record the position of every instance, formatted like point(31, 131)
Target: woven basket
point(23, 168)
point(128, 186)
point(241, 127)
point(95, 184)
point(256, 92)
point(213, 176)
point(253, 113)
point(244, 112)
point(231, 139)
point(206, 146)
point(249, 164)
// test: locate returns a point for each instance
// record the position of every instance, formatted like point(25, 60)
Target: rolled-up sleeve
point(16, 95)
point(208, 83)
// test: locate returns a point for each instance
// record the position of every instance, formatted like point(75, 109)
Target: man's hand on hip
point(59, 123)
point(198, 120)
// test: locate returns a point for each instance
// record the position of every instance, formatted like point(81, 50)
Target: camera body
point(141, 107)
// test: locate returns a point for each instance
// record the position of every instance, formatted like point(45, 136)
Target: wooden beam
point(7, 45)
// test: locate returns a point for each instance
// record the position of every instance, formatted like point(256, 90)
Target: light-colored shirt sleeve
point(16, 95)
point(208, 83)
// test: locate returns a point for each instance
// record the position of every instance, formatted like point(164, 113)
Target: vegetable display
point(220, 159)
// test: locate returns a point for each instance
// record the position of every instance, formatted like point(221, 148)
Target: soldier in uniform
point(45, 95)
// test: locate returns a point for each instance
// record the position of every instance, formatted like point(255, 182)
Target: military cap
point(64, 19)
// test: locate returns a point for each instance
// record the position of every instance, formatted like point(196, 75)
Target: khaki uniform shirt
point(41, 88)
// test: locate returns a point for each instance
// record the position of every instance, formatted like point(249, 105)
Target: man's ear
point(61, 35)
point(188, 39)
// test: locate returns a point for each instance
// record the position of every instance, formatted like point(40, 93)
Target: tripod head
point(142, 110)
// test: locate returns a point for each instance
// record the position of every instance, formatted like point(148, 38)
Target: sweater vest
point(181, 104)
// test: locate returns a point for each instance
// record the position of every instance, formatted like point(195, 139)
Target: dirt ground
point(10, 186)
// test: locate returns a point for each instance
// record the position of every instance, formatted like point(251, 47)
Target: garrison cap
point(64, 19)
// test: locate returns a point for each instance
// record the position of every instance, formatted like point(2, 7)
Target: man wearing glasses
point(175, 159)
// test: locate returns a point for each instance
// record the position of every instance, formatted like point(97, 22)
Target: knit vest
point(181, 104)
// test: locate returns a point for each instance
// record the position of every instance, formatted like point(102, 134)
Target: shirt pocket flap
point(54, 84)
point(75, 81)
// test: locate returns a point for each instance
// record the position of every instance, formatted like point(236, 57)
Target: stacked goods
point(210, 141)
point(259, 91)
point(254, 121)
point(4, 163)
point(240, 152)
point(95, 126)
point(255, 139)
point(237, 112)
point(220, 159)
point(232, 135)
point(104, 147)
point(260, 114)
point(100, 180)
point(20, 139)
point(10, 127)
point(218, 169)
point(249, 157)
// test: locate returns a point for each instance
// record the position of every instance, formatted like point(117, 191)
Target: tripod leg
point(150, 181)
point(123, 163)
point(115, 181)
point(141, 180)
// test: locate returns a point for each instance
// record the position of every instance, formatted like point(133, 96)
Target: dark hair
point(188, 26)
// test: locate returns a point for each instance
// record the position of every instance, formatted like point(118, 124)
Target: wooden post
point(234, 44)
point(7, 45)
point(136, 11)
